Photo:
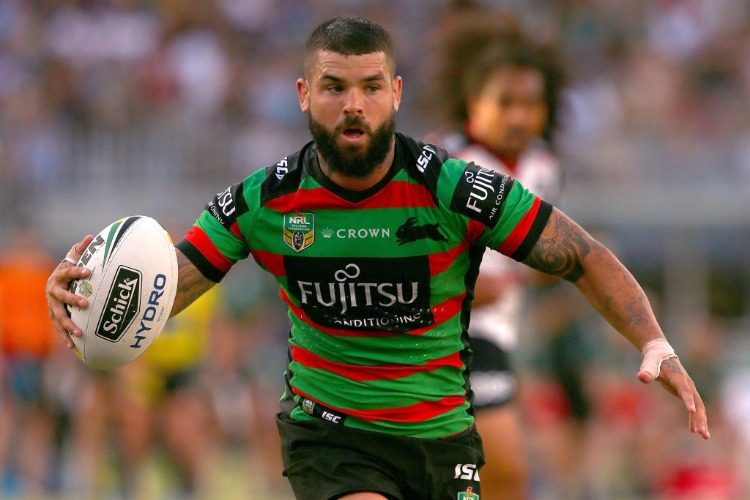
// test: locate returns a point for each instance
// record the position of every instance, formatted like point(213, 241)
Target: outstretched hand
point(58, 295)
point(673, 377)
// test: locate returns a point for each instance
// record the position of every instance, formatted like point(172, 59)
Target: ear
point(303, 93)
point(398, 84)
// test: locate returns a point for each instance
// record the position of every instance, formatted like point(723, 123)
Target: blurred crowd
point(659, 89)
point(197, 93)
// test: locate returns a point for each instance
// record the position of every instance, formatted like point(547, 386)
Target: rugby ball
point(131, 290)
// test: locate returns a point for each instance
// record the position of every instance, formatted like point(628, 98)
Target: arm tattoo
point(191, 284)
point(560, 249)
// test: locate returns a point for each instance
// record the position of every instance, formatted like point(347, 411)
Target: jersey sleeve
point(216, 240)
point(525, 217)
point(502, 214)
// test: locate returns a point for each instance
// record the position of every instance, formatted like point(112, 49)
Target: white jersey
point(539, 171)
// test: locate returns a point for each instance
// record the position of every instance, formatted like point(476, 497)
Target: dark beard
point(349, 161)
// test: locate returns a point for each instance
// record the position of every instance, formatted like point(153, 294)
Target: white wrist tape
point(654, 353)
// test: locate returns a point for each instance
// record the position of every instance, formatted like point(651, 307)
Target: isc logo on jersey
point(424, 158)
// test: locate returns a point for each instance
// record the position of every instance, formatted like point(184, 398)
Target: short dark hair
point(349, 36)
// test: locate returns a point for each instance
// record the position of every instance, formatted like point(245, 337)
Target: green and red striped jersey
point(378, 283)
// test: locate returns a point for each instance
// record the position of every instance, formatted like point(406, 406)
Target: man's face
point(510, 111)
point(351, 103)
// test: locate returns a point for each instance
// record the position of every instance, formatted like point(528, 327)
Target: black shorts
point(323, 461)
point(492, 377)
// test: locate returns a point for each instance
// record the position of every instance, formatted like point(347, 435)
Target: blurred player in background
point(27, 342)
point(498, 92)
point(167, 385)
point(161, 404)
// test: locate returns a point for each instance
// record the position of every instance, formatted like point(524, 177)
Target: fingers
point(678, 382)
point(697, 418)
point(58, 296)
point(645, 376)
point(699, 424)
point(66, 339)
point(76, 251)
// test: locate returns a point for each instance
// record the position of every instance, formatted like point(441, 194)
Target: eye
point(334, 88)
point(373, 88)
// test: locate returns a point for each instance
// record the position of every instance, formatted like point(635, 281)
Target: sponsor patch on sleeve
point(480, 194)
point(225, 204)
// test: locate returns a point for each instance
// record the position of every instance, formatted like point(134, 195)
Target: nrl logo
point(308, 406)
point(299, 230)
point(468, 495)
point(85, 289)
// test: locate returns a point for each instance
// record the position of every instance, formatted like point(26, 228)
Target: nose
point(354, 102)
point(518, 114)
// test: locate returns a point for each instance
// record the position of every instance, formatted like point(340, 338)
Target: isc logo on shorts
point(466, 471)
point(326, 415)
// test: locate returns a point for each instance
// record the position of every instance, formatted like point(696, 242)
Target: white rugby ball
point(131, 290)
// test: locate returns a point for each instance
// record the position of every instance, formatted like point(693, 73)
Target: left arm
point(565, 250)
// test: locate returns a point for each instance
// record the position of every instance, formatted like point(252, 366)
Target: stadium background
point(109, 108)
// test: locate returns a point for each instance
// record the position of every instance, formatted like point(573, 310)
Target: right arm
point(191, 284)
point(565, 250)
